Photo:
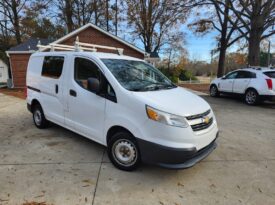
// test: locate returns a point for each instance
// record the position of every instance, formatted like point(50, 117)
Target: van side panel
point(33, 78)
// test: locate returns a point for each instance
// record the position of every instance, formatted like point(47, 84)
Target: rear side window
point(246, 74)
point(270, 74)
point(52, 66)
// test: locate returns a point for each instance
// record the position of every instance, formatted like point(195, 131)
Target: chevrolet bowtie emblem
point(205, 120)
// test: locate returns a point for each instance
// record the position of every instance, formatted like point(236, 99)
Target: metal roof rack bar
point(78, 46)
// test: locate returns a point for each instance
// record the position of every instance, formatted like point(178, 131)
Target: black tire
point(123, 151)
point(251, 97)
point(39, 118)
point(214, 92)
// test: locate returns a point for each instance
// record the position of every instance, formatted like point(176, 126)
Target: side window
point(252, 75)
point(52, 66)
point(231, 75)
point(84, 69)
point(246, 74)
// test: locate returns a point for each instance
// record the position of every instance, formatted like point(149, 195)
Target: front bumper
point(173, 158)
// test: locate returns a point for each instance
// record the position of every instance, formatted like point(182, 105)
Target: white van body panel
point(92, 115)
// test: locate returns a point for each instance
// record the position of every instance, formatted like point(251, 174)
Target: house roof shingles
point(30, 45)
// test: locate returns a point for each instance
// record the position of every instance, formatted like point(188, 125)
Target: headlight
point(166, 118)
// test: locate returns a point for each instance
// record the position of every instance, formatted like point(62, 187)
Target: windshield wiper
point(157, 86)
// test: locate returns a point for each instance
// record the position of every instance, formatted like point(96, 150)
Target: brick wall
point(19, 64)
point(93, 36)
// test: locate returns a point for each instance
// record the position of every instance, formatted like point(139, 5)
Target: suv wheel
point(251, 97)
point(123, 151)
point(39, 118)
point(214, 92)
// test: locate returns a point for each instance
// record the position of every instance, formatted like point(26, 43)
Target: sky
point(198, 47)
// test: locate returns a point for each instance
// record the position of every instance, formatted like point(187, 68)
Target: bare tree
point(219, 21)
point(174, 49)
point(152, 21)
point(11, 9)
point(65, 12)
point(257, 23)
point(83, 12)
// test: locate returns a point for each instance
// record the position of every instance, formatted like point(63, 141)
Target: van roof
point(100, 55)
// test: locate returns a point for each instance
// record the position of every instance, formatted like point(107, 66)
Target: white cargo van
point(123, 103)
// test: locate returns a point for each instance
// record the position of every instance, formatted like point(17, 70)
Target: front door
point(86, 110)
point(51, 87)
point(241, 82)
point(226, 83)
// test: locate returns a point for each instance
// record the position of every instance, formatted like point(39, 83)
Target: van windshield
point(137, 75)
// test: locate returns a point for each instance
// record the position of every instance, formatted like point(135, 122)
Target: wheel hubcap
point(251, 97)
point(124, 152)
point(37, 117)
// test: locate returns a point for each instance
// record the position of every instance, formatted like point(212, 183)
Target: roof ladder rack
point(78, 46)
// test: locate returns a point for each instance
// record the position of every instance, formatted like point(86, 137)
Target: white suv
point(254, 84)
point(122, 103)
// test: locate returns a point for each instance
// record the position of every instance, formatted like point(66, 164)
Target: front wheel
point(251, 97)
point(123, 151)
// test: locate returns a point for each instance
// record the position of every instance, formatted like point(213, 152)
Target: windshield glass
point(137, 75)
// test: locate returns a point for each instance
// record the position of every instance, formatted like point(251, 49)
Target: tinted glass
point(137, 75)
point(52, 66)
point(246, 74)
point(85, 69)
point(270, 74)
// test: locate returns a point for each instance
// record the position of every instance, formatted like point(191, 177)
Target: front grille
point(202, 126)
point(192, 117)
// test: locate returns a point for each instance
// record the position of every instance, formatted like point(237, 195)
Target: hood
point(176, 101)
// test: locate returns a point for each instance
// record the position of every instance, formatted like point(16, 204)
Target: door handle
point(56, 88)
point(73, 93)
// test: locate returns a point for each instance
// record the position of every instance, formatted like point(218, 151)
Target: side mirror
point(93, 85)
point(223, 77)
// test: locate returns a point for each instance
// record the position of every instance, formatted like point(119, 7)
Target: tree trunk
point(254, 49)
point(16, 22)
point(254, 40)
point(95, 9)
point(69, 15)
point(107, 15)
point(223, 41)
point(220, 72)
point(116, 18)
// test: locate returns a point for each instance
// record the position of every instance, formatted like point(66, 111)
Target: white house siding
point(3, 72)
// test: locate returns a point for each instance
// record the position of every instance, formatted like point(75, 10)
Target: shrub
point(186, 75)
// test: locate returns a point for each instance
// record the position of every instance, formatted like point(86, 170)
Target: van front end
point(179, 147)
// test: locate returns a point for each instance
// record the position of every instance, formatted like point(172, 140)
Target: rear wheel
point(251, 97)
point(39, 118)
point(123, 151)
point(214, 92)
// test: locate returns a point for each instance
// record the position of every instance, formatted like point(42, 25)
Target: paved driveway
point(57, 166)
